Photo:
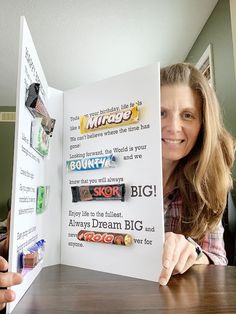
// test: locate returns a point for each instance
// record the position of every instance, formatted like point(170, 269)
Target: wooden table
point(69, 290)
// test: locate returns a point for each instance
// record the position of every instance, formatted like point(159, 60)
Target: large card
point(32, 172)
point(136, 149)
point(87, 181)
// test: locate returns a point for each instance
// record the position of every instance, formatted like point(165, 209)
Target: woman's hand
point(178, 256)
point(7, 280)
point(4, 244)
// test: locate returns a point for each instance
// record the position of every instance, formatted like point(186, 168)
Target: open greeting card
point(87, 181)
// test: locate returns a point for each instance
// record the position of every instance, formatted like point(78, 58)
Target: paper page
point(137, 148)
point(33, 174)
point(51, 227)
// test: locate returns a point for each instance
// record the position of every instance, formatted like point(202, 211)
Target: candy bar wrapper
point(33, 101)
point(39, 139)
point(31, 256)
point(48, 124)
point(98, 192)
point(109, 120)
point(104, 237)
point(91, 163)
point(37, 108)
point(42, 198)
point(30, 260)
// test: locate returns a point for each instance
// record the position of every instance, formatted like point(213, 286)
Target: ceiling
point(82, 41)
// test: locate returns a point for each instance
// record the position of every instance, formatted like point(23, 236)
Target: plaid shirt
point(212, 245)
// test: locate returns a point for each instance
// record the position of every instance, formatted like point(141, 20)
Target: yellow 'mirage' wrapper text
point(109, 120)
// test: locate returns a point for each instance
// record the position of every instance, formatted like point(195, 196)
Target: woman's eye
point(188, 116)
point(163, 113)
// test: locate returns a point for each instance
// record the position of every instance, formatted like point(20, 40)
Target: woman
point(197, 155)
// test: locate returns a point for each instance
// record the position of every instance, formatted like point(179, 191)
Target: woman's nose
point(174, 124)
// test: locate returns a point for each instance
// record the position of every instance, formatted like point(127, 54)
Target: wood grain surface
point(69, 290)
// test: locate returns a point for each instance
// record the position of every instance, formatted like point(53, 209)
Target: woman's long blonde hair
point(204, 175)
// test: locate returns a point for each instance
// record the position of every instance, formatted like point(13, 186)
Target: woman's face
point(180, 121)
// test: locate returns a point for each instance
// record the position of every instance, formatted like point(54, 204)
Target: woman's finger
point(7, 296)
point(186, 260)
point(3, 264)
point(168, 249)
point(10, 279)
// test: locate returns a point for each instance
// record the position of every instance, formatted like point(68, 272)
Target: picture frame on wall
point(205, 65)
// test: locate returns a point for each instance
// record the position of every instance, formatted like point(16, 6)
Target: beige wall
point(7, 130)
point(218, 32)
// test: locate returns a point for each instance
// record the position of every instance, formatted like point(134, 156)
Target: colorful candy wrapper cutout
point(98, 192)
point(104, 237)
point(36, 107)
point(39, 139)
point(30, 260)
point(91, 163)
point(31, 256)
point(42, 198)
point(109, 120)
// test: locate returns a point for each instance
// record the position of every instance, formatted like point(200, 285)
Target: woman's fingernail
point(162, 281)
